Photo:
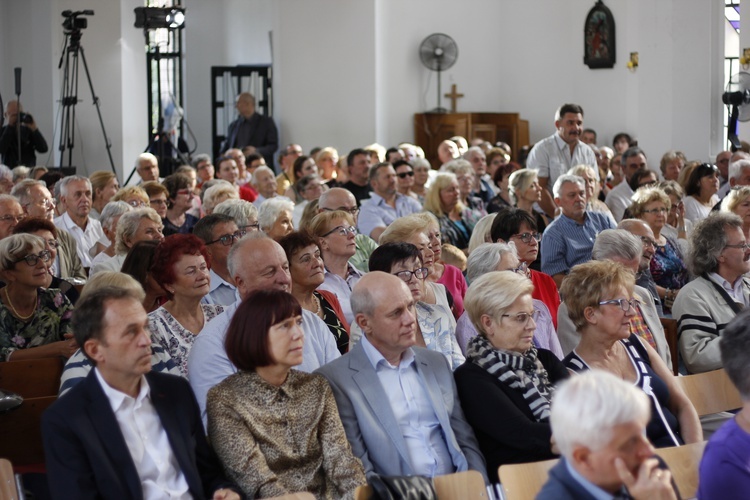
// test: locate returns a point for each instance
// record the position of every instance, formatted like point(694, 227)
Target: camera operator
point(31, 138)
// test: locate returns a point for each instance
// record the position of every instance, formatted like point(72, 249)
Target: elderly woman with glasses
point(436, 328)
point(34, 320)
point(599, 297)
point(490, 257)
point(668, 267)
point(507, 384)
point(335, 232)
point(700, 190)
point(179, 202)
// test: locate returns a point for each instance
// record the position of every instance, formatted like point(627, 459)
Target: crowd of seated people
point(311, 324)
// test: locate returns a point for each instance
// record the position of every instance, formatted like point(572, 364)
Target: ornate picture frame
point(599, 37)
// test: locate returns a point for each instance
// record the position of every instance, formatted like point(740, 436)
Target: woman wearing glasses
point(179, 202)
point(335, 233)
point(599, 296)
point(668, 267)
point(180, 266)
point(507, 384)
point(405, 179)
point(436, 327)
point(34, 320)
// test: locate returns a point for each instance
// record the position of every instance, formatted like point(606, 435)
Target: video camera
point(72, 20)
point(25, 118)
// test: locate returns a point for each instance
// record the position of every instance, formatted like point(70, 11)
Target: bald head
point(257, 262)
point(337, 199)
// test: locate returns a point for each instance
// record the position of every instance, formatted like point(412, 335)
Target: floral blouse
point(667, 266)
point(173, 337)
point(50, 323)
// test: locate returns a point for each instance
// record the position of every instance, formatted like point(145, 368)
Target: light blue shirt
point(594, 490)
point(417, 420)
point(375, 212)
point(220, 292)
point(566, 243)
point(208, 363)
point(342, 288)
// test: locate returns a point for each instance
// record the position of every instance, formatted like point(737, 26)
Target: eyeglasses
point(526, 237)
point(648, 241)
point(185, 192)
point(624, 304)
point(351, 211)
point(137, 204)
point(522, 269)
point(228, 239)
point(522, 318)
point(342, 230)
point(404, 175)
point(420, 273)
point(255, 226)
point(744, 245)
point(11, 218)
point(32, 259)
point(46, 203)
point(656, 211)
point(53, 243)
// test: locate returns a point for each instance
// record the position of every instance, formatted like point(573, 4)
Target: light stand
point(72, 49)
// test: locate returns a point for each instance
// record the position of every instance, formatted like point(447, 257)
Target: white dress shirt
point(551, 158)
point(147, 442)
point(86, 239)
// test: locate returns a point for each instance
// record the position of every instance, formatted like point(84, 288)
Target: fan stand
point(732, 129)
point(439, 109)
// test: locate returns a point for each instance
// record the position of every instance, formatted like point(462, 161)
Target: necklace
point(317, 305)
point(18, 315)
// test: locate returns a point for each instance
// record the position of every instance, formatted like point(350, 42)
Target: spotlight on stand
point(150, 18)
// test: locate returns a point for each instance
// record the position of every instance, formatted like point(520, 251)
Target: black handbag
point(402, 488)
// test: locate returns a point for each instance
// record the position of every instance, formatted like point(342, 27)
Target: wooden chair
point(710, 392)
point(524, 481)
point(304, 495)
point(467, 485)
point(8, 490)
point(683, 462)
point(670, 332)
point(37, 381)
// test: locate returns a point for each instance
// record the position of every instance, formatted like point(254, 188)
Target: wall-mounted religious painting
point(599, 37)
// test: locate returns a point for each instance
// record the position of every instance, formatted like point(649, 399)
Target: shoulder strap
point(736, 307)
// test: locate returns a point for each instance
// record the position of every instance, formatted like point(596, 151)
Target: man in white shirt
point(555, 155)
point(75, 194)
point(127, 432)
point(620, 198)
point(147, 167)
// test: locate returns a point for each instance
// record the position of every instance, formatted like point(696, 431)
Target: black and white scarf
point(522, 372)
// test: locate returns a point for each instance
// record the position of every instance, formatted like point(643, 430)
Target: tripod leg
point(107, 142)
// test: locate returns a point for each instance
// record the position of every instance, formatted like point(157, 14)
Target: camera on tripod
point(75, 23)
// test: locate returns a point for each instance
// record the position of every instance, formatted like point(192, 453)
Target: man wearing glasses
point(720, 258)
point(11, 214)
point(37, 201)
point(219, 232)
point(342, 199)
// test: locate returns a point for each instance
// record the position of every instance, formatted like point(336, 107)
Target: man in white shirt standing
point(555, 155)
point(127, 432)
point(75, 193)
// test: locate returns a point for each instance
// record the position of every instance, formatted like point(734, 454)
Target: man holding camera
point(31, 139)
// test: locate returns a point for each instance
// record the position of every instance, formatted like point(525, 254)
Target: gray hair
point(271, 209)
point(612, 243)
point(63, 183)
point(198, 159)
point(145, 156)
point(222, 188)
point(564, 179)
point(17, 246)
point(736, 168)
point(6, 173)
point(708, 240)
point(471, 151)
point(22, 190)
point(241, 211)
point(485, 259)
point(128, 226)
point(204, 228)
point(458, 166)
point(234, 259)
point(20, 173)
point(262, 168)
point(112, 210)
point(9, 198)
point(631, 151)
point(587, 408)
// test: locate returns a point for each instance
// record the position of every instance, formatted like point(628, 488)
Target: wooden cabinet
point(430, 129)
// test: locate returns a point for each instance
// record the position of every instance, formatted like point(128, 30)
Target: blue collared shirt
point(342, 288)
point(587, 485)
point(220, 292)
point(566, 243)
point(411, 405)
point(375, 212)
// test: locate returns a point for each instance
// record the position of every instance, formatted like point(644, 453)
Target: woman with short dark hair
point(277, 430)
point(179, 200)
point(138, 265)
point(700, 192)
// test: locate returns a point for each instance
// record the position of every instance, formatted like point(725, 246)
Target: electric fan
point(438, 52)
point(737, 95)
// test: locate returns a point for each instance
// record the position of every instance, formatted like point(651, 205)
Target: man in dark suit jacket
point(411, 425)
point(125, 432)
point(252, 129)
point(599, 423)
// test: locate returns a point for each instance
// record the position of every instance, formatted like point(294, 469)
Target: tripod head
point(73, 23)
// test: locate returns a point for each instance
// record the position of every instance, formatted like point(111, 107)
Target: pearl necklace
point(317, 305)
point(18, 315)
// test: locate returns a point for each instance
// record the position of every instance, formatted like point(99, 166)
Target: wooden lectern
point(430, 129)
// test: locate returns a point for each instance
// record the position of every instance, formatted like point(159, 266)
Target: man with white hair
point(568, 240)
point(599, 424)
point(147, 167)
point(255, 262)
point(482, 188)
point(265, 183)
point(75, 193)
point(739, 175)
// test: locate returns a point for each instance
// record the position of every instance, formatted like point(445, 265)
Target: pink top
point(455, 283)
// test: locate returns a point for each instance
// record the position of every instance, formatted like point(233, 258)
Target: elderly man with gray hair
point(568, 240)
point(599, 424)
point(719, 259)
point(621, 246)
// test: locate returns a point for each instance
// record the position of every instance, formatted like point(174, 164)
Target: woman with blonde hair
point(134, 196)
point(104, 186)
point(219, 192)
point(738, 202)
point(456, 220)
point(524, 185)
point(327, 159)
